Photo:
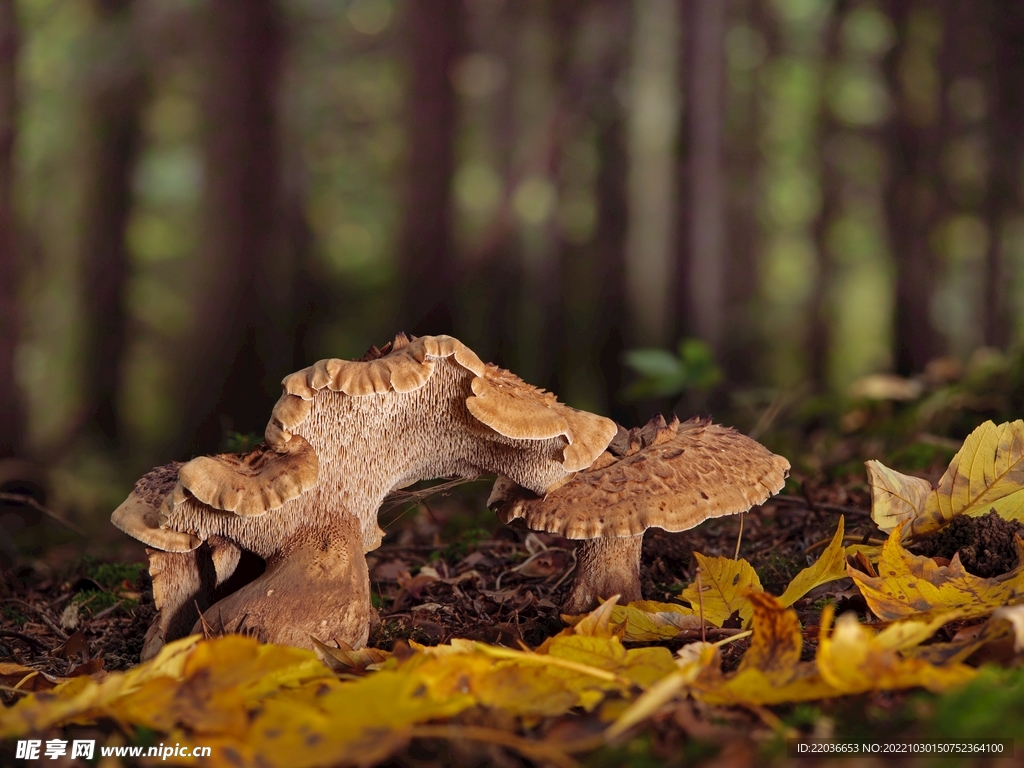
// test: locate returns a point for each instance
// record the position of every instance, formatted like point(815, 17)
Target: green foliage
point(237, 442)
point(95, 601)
point(990, 707)
point(111, 575)
point(13, 615)
point(663, 374)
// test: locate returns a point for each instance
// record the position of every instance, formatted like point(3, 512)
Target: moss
point(111, 575)
point(94, 601)
point(13, 615)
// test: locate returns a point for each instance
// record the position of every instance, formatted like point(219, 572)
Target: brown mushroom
point(665, 475)
point(342, 436)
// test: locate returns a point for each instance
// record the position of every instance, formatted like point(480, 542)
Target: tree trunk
point(610, 329)
point(11, 405)
point(653, 121)
point(743, 346)
point(911, 202)
point(242, 342)
point(428, 267)
point(820, 336)
point(1006, 129)
point(706, 195)
point(117, 89)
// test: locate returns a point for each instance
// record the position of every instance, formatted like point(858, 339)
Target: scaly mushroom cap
point(345, 433)
point(139, 514)
point(663, 475)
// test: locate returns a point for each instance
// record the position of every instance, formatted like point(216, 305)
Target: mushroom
point(341, 437)
point(664, 475)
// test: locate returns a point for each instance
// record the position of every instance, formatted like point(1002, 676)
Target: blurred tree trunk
point(116, 93)
point(242, 342)
point(11, 406)
point(705, 102)
point(612, 326)
point(610, 239)
point(820, 336)
point(652, 126)
point(1006, 136)
point(912, 190)
point(428, 267)
point(742, 346)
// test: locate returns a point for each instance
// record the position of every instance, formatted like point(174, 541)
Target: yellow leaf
point(986, 473)
point(829, 567)
point(902, 635)
point(647, 621)
point(895, 497)
point(909, 584)
point(725, 584)
point(663, 691)
point(771, 671)
point(965, 644)
point(852, 660)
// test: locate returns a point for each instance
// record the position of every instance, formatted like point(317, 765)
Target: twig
point(108, 610)
point(40, 613)
point(22, 636)
point(739, 538)
point(207, 631)
point(22, 498)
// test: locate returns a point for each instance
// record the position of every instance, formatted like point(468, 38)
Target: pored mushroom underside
point(341, 437)
point(664, 475)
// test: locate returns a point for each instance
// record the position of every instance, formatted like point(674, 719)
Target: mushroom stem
point(317, 586)
point(605, 567)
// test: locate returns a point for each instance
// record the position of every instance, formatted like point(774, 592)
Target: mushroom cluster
point(272, 543)
point(341, 437)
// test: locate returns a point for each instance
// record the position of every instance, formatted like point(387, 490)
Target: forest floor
point(446, 571)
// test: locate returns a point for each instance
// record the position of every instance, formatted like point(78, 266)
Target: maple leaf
point(831, 566)
point(909, 584)
point(725, 585)
point(986, 473)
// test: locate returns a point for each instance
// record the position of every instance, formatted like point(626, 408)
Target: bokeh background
point(639, 204)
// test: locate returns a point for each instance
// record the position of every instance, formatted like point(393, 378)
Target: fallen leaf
point(853, 660)
point(770, 672)
point(909, 584)
point(649, 621)
point(831, 566)
point(895, 497)
point(725, 584)
point(347, 661)
point(986, 473)
point(664, 690)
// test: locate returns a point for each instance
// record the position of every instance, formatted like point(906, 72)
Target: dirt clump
point(985, 544)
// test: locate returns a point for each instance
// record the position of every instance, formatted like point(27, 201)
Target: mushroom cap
point(664, 475)
point(500, 399)
point(252, 483)
point(265, 480)
point(139, 514)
